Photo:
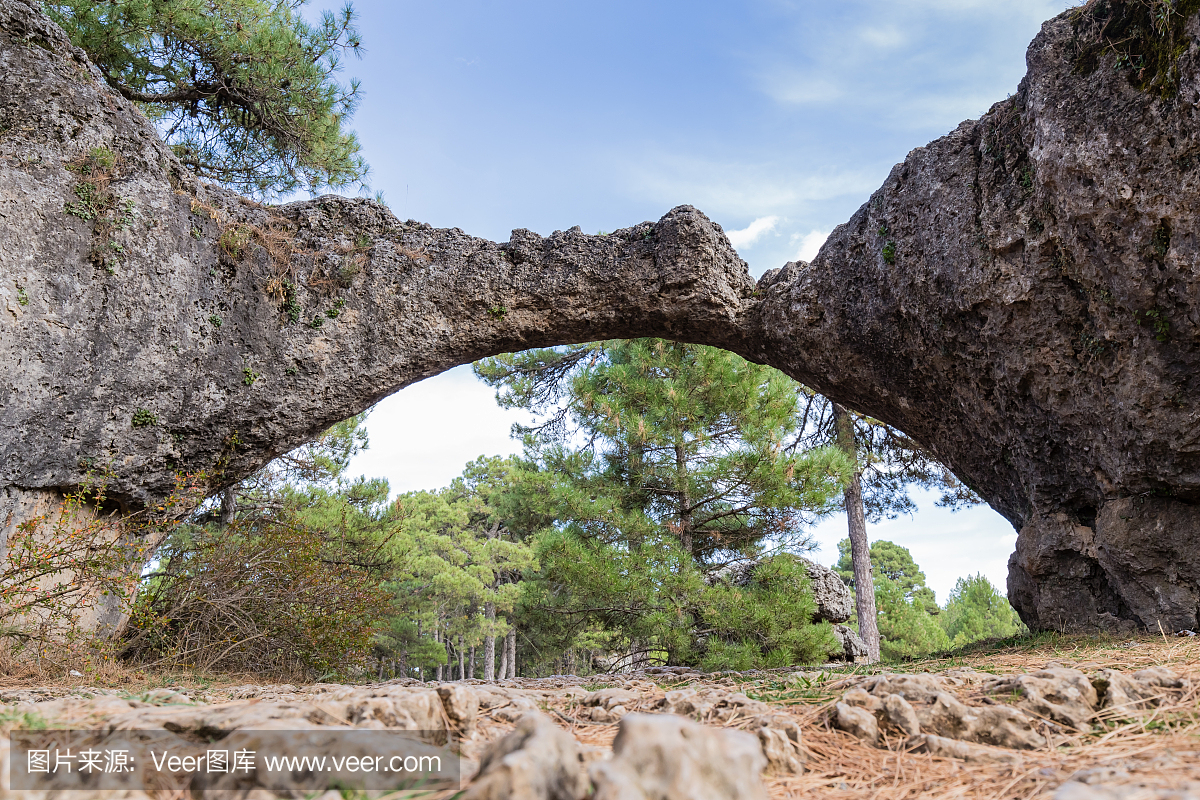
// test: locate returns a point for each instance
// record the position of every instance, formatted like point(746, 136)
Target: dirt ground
point(1154, 753)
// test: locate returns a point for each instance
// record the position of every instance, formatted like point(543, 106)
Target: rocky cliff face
point(1021, 296)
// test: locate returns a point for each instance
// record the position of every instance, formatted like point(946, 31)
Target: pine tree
point(655, 462)
point(906, 628)
point(907, 609)
point(977, 610)
point(886, 463)
point(243, 91)
point(451, 558)
point(691, 439)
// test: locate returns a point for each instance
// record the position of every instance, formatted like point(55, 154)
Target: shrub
point(766, 624)
point(62, 566)
point(259, 595)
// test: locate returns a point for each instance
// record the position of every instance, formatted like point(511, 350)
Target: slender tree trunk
point(228, 505)
point(489, 643)
point(503, 660)
point(437, 672)
point(462, 660)
point(860, 548)
point(471, 663)
point(511, 647)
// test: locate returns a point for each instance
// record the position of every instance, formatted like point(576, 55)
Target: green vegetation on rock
point(243, 91)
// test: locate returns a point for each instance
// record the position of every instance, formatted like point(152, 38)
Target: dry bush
point(70, 575)
point(255, 596)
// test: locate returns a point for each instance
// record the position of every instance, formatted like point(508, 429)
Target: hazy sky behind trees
point(776, 118)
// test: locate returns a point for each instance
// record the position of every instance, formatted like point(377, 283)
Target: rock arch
point(1021, 296)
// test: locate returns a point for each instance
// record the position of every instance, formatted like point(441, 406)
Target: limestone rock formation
point(672, 758)
point(1020, 296)
point(854, 649)
point(832, 597)
point(537, 760)
point(923, 712)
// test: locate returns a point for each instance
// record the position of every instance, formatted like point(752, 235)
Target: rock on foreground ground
point(1020, 296)
point(1056, 730)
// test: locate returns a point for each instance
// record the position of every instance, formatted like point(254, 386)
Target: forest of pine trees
point(651, 465)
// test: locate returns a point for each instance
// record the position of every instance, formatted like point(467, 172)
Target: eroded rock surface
point(665, 757)
point(1020, 297)
point(1013, 712)
point(538, 760)
point(706, 738)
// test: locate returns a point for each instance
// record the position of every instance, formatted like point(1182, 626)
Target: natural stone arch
point(1019, 297)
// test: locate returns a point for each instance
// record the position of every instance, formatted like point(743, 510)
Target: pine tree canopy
point(906, 628)
point(690, 440)
point(243, 91)
point(976, 610)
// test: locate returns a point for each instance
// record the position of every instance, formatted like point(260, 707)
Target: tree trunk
point(489, 643)
point(503, 660)
point(462, 660)
point(860, 549)
point(228, 505)
point(471, 663)
point(511, 647)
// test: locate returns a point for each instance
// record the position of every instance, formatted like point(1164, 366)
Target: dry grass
point(276, 238)
point(52, 672)
point(1161, 745)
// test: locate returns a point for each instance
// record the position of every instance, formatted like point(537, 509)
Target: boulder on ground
point(1122, 694)
point(857, 722)
point(536, 761)
point(667, 757)
point(854, 649)
point(1058, 693)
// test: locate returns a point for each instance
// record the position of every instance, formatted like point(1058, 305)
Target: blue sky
point(776, 118)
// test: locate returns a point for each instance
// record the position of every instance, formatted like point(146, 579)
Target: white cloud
point(809, 244)
point(741, 189)
point(889, 37)
point(747, 236)
point(797, 87)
